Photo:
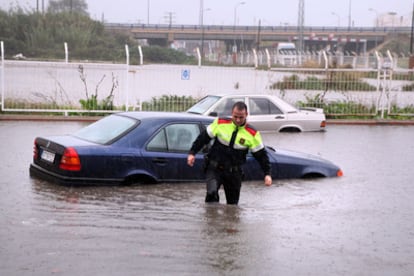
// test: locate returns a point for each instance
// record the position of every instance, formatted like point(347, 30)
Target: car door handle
point(160, 161)
point(279, 117)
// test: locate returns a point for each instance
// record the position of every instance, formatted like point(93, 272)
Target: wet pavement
point(359, 224)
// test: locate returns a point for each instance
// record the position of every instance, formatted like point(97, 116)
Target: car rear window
point(107, 129)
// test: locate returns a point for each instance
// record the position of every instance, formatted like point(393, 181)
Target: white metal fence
point(86, 87)
point(271, 58)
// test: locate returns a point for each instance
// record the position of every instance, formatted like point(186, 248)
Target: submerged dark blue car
point(149, 147)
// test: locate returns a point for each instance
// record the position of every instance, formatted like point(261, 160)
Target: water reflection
point(222, 235)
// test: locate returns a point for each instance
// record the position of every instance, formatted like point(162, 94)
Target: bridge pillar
point(170, 38)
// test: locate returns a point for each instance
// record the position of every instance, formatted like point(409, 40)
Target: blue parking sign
point(185, 74)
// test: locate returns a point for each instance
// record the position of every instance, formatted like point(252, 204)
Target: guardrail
point(290, 29)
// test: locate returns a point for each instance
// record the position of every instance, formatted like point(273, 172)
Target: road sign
point(185, 74)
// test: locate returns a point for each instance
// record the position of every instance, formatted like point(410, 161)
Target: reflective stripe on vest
point(247, 137)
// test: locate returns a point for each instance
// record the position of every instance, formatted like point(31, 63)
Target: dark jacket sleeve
point(263, 159)
point(202, 140)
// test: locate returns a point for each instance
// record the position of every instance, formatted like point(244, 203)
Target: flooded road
point(359, 224)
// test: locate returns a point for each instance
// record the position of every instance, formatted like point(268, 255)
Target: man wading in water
point(233, 139)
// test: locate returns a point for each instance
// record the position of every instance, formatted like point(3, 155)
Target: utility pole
point(148, 11)
point(169, 17)
point(258, 35)
point(201, 15)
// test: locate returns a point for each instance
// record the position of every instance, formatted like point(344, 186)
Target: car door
point(167, 151)
point(264, 115)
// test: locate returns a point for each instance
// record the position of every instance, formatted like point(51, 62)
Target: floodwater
point(359, 224)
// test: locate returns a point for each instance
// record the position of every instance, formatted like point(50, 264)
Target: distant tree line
point(37, 35)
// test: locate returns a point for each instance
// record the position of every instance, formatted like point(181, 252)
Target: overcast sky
point(225, 12)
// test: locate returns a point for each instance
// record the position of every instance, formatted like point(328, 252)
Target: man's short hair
point(240, 106)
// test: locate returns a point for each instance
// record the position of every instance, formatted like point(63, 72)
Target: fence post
point(198, 57)
point(255, 58)
point(389, 80)
point(141, 56)
point(241, 58)
point(2, 51)
point(127, 78)
point(269, 64)
point(66, 52)
point(378, 81)
point(384, 77)
point(325, 57)
point(391, 59)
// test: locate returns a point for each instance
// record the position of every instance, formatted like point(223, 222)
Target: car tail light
point(70, 160)
point(323, 124)
point(339, 173)
point(35, 151)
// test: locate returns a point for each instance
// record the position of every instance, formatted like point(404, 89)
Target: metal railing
point(276, 29)
point(382, 89)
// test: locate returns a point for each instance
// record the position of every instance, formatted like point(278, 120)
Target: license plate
point(47, 156)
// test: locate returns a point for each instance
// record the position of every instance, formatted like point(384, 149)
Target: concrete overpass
point(247, 37)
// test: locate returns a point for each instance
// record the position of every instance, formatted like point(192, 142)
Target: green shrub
point(169, 103)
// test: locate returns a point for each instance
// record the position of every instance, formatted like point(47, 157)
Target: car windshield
point(106, 129)
point(204, 104)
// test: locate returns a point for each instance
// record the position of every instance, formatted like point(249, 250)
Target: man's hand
point(268, 180)
point(191, 160)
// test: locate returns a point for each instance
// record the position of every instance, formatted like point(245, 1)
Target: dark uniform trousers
point(230, 178)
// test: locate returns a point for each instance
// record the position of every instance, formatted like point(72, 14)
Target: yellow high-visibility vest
point(247, 137)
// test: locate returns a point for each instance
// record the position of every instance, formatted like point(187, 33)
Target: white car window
point(262, 106)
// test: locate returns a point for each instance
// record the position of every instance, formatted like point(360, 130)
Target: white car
point(266, 112)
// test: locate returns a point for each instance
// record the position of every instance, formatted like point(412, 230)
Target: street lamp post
point(376, 24)
point(235, 11)
point(202, 31)
point(376, 18)
point(392, 14)
point(339, 18)
point(234, 26)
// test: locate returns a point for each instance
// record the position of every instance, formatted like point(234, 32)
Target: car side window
point(158, 142)
point(262, 106)
point(175, 138)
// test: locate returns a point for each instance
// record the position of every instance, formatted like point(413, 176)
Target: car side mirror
point(213, 114)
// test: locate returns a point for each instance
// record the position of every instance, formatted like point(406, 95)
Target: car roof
point(281, 103)
point(169, 116)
